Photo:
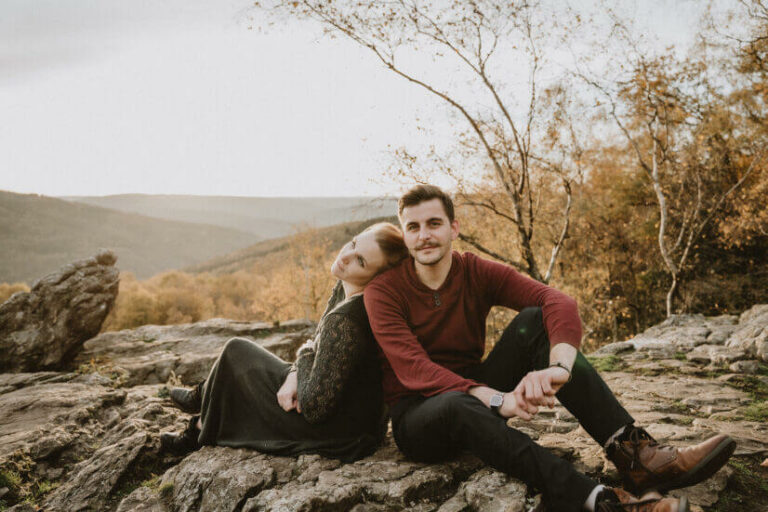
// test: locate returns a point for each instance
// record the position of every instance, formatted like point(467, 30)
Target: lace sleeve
point(337, 296)
point(325, 370)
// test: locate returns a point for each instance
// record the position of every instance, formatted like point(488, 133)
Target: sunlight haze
point(184, 97)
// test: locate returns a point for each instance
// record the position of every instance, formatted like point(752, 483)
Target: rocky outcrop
point(87, 440)
point(44, 328)
point(91, 433)
point(722, 340)
point(752, 335)
point(153, 353)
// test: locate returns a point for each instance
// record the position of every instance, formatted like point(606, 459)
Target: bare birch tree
point(473, 33)
point(665, 111)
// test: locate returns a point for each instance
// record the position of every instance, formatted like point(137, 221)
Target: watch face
point(497, 400)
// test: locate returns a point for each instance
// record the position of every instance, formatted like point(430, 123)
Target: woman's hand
point(308, 345)
point(288, 394)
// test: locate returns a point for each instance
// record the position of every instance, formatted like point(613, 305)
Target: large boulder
point(752, 335)
point(719, 340)
point(43, 329)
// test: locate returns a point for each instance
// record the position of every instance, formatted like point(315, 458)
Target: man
point(428, 315)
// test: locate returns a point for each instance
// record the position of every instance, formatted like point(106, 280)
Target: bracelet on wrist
point(561, 365)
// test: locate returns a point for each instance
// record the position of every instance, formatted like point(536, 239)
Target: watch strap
point(561, 365)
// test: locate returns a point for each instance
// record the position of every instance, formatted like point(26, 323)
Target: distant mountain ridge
point(266, 217)
point(39, 234)
point(152, 234)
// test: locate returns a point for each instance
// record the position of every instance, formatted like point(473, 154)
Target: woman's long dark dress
point(339, 391)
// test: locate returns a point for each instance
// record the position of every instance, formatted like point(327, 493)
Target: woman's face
point(359, 260)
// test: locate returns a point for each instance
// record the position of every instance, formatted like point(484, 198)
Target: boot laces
point(635, 439)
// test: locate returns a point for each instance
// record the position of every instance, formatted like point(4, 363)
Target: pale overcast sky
point(179, 97)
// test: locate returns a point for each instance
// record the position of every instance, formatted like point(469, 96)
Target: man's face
point(427, 231)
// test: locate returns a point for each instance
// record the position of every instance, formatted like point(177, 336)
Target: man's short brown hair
point(421, 193)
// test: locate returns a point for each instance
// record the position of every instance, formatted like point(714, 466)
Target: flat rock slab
point(717, 354)
point(231, 479)
point(152, 353)
point(46, 418)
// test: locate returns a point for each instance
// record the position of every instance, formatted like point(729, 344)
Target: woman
point(329, 402)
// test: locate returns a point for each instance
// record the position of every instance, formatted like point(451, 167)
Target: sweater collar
point(413, 278)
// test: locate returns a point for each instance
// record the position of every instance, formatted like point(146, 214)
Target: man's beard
point(438, 258)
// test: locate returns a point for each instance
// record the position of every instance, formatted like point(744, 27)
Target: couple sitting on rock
point(426, 310)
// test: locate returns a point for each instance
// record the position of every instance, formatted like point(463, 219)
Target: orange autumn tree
point(683, 136)
point(292, 283)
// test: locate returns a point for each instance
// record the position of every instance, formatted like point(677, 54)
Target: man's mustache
point(426, 246)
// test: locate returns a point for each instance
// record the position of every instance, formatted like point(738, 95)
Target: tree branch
point(477, 245)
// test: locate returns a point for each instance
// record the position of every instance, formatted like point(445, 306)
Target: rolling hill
point(38, 234)
point(266, 217)
point(272, 252)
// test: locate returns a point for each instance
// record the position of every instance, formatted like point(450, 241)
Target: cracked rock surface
point(88, 439)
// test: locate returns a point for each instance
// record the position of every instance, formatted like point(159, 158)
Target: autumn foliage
point(289, 283)
point(6, 290)
point(640, 190)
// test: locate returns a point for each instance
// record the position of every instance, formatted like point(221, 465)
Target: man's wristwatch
point(496, 402)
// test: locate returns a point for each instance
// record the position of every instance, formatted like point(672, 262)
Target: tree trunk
point(671, 294)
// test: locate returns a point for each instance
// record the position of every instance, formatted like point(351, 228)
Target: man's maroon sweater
point(426, 335)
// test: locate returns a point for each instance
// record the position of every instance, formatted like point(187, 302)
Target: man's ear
point(454, 229)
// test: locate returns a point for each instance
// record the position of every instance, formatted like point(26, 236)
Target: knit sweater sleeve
point(408, 359)
point(324, 371)
point(507, 287)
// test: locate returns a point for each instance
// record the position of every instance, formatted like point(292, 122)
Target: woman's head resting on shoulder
point(370, 253)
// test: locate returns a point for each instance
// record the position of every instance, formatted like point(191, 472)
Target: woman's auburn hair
point(390, 241)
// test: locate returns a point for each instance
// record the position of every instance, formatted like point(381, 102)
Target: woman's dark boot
point(619, 500)
point(188, 400)
point(184, 443)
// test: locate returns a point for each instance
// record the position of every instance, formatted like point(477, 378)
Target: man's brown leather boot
point(646, 465)
point(612, 499)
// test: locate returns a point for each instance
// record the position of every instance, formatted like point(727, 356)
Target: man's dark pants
point(439, 427)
